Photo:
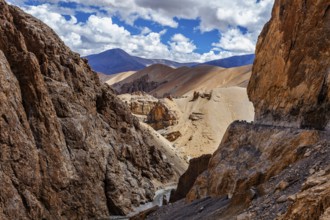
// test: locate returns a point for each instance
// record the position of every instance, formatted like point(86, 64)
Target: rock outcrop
point(161, 116)
point(187, 180)
point(69, 148)
point(290, 81)
point(141, 84)
point(276, 167)
point(140, 103)
point(172, 136)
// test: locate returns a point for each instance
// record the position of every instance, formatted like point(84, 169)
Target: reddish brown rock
point(173, 135)
point(161, 116)
point(69, 148)
point(187, 180)
point(290, 82)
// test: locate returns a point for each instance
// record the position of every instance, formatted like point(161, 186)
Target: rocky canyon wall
point(291, 73)
point(276, 167)
point(69, 148)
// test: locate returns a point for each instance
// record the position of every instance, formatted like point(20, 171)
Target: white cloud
point(233, 40)
point(100, 33)
point(181, 44)
point(220, 15)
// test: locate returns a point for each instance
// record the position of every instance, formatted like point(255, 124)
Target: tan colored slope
point(203, 78)
point(111, 79)
point(179, 81)
point(155, 72)
point(204, 136)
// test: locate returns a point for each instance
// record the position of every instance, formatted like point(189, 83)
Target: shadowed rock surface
point(69, 148)
point(187, 180)
point(277, 167)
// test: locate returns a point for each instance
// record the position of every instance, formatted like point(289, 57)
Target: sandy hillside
point(203, 121)
point(111, 79)
point(209, 119)
point(178, 82)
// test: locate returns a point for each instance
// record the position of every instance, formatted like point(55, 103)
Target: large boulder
point(69, 148)
point(140, 103)
point(290, 83)
point(161, 116)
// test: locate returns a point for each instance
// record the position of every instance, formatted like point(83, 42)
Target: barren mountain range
point(117, 60)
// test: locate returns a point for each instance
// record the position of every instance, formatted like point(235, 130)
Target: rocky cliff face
point(276, 167)
point(187, 180)
point(263, 169)
point(140, 103)
point(290, 81)
point(161, 116)
point(69, 149)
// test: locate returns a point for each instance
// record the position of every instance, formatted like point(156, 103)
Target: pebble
point(308, 153)
point(282, 199)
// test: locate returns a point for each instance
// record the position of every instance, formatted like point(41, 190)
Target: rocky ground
point(284, 177)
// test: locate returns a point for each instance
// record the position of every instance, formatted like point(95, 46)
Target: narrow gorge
point(278, 166)
point(73, 147)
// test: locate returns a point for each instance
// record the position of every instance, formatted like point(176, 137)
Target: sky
point(179, 30)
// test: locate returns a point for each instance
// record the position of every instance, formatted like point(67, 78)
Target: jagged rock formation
point(141, 84)
point(268, 173)
point(187, 180)
point(172, 136)
point(161, 116)
point(276, 167)
point(196, 95)
point(155, 112)
point(69, 148)
point(292, 57)
point(140, 103)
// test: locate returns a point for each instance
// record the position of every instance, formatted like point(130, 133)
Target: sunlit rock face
point(69, 148)
point(278, 166)
point(290, 84)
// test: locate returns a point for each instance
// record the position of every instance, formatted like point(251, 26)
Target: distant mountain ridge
point(117, 60)
point(234, 61)
point(114, 61)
